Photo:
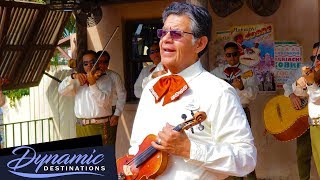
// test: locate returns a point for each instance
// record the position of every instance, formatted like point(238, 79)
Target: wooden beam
point(61, 41)
point(63, 53)
point(81, 41)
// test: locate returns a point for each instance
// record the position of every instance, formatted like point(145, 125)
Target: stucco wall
point(294, 20)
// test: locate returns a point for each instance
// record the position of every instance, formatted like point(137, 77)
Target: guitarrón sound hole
point(279, 112)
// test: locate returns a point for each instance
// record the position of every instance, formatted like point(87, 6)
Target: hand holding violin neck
point(91, 78)
point(308, 74)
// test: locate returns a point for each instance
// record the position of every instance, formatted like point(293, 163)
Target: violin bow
point(114, 32)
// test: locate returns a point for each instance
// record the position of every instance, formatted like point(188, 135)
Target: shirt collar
point(192, 71)
point(237, 65)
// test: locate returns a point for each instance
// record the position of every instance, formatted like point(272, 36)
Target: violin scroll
point(198, 118)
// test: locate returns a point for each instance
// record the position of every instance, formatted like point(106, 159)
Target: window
point(139, 36)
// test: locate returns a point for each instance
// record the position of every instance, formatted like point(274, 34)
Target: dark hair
point(230, 45)
point(80, 68)
point(315, 45)
point(105, 53)
point(201, 20)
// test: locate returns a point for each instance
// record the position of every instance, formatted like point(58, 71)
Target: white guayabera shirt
point(224, 147)
point(90, 101)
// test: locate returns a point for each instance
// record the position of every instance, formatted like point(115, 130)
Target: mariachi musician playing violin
point(223, 144)
point(308, 85)
point(241, 78)
point(92, 91)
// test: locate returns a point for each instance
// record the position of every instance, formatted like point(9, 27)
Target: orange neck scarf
point(170, 87)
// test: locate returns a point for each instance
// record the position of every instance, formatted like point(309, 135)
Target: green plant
point(16, 95)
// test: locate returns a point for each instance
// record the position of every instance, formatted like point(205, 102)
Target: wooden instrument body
point(283, 121)
point(148, 163)
point(155, 166)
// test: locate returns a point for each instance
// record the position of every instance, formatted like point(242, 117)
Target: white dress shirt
point(2, 99)
point(250, 84)
point(119, 93)
point(90, 101)
point(314, 101)
point(145, 72)
point(225, 146)
point(312, 91)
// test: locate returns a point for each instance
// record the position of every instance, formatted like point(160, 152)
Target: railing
point(27, 132)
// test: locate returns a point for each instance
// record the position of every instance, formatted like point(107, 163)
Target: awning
point(29, 34)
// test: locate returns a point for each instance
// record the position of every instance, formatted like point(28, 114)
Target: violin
point(150, 162)
point(97, 73)
point(315, 69)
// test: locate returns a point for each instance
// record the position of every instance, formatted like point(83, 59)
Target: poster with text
point(288, 57)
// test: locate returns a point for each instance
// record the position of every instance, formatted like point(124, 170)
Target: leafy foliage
point(16, 95)
point(70, 27)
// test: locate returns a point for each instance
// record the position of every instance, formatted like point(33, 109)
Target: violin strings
point(141, 156)
point(146, 152)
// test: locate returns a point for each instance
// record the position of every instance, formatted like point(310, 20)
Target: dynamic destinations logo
point(30, 164)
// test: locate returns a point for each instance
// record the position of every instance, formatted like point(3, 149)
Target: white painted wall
point(42, 103)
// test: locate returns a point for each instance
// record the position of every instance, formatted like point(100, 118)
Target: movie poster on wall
point(288, 57)
point(256, 44)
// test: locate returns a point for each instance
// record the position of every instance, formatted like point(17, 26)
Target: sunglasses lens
point(234, 54)
point(161, 33)
point(175, 34)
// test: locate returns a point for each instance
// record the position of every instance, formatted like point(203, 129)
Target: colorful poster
point(256, 44)
point(257, 51)
point(288, 57)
